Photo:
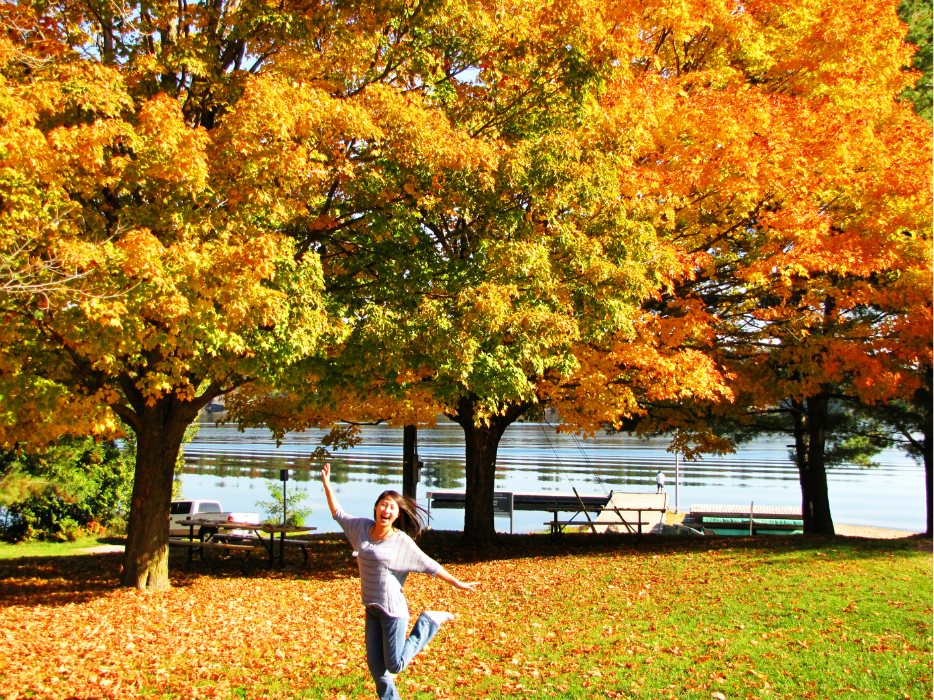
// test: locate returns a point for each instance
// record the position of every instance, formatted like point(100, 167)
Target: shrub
point(58, 493)
point(273, 509)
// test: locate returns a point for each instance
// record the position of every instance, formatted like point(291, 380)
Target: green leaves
point(295, 514)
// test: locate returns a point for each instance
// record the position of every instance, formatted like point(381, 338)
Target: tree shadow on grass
point(75, 579)
point(58, 580)
point(448, 546)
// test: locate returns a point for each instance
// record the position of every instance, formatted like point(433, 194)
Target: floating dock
point(743, 519)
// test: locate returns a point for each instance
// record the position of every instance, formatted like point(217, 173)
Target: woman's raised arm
point(326, 481)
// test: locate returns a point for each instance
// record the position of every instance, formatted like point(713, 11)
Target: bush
point(59, 493)
point(273, 509)
point(69, 530)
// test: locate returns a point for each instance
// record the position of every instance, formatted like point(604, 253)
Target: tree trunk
point(159, 429)
point(410, 461)
point(922, 401)
point(482, 443)
point(927, 479)
point(812, 473)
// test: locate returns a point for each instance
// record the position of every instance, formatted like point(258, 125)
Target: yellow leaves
point(142, 253)
point(487, 305)
point(170, 150)
point(103, 312)
point(419, 135)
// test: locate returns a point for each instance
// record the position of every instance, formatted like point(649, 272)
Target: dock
point(561, 502)
point(744, 511)
point(761, 520)
point(633, 513)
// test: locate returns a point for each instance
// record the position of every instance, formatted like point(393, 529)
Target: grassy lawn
point(590, 617)
point(52, 549)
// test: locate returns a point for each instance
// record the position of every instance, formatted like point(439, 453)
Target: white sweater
point(384, 565)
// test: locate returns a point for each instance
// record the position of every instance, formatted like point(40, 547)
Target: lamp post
point(284, 477)
point(677, 478)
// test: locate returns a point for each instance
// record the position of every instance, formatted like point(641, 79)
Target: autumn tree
point(483, 269)
point(122, 153)
point(607, 193)
point(809, 201)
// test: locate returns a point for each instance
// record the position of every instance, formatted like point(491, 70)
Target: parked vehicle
point(205, 510)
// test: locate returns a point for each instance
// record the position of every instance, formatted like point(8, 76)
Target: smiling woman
point(386, 554)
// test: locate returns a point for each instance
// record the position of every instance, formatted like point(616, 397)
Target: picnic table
point(632, 526)
point(248, 543)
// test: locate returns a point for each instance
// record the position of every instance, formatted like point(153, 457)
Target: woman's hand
point(326, 474)
point(459, 585)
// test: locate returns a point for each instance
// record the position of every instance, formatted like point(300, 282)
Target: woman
point(386, 554)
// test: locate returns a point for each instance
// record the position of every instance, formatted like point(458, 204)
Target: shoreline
point(842, 530)
point(879, 533)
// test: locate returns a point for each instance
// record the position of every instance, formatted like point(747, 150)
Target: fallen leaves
point(549, 621)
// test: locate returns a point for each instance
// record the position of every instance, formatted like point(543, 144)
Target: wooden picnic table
point(258, 530)
point(558, 526)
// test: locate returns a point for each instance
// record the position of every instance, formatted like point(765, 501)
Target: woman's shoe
point(439, 618)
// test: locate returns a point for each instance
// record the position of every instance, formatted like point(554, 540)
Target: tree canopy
point(387, 211)
point(661, 197)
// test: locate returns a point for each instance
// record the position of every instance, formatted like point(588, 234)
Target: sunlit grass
point(588, 617)
point(49, 549)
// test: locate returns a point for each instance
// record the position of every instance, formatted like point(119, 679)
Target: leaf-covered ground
point(587, 617)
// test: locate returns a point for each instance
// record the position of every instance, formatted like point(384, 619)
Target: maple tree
point(119, 156)
point(807, 199)
point(661, 196)
point(478, 272)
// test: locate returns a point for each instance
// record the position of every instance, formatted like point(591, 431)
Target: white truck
point(205, 510)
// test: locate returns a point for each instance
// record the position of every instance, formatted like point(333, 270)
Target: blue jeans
point(388, 650)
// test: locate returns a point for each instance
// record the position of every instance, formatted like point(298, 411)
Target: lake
point(234, 467)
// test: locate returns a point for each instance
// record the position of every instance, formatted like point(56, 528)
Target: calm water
point(233, 467)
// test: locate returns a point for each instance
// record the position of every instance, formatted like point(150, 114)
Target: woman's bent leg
point(375, 656)
point(399, 651)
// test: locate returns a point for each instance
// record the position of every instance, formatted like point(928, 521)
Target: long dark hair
point(412, 517)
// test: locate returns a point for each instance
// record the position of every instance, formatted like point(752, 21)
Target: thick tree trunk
point(927, 428)
point(482, 443)
point(160, 430)
point(810, 436)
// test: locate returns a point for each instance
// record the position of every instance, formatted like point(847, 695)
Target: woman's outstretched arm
point(326, 481)
point(460, 585)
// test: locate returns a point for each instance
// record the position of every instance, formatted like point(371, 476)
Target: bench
point(289, 542)
point(632, 526)
point(558, 526)
point(192, 545)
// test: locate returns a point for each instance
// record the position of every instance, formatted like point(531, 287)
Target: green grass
point(51, 549)
point(792, 618)
point(587, 617)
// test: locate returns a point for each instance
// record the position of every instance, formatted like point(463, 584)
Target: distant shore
point(879, 533)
